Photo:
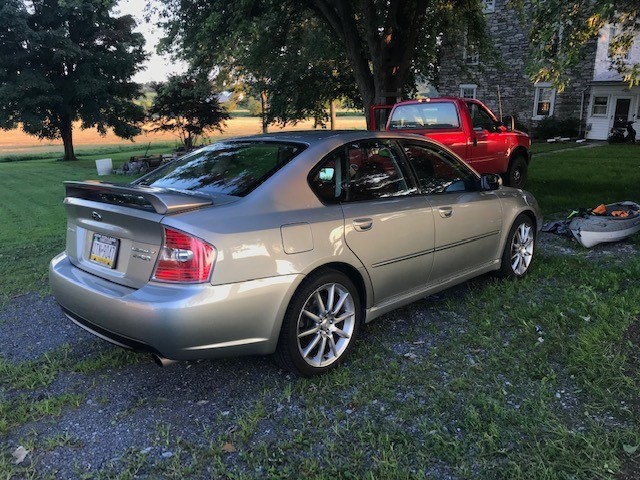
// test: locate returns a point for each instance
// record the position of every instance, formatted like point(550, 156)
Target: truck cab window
point(439, 172)
point(481, 119)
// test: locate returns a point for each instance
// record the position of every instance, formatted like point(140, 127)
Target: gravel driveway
point(221, 418)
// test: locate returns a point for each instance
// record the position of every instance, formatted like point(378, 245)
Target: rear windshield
point(437, 115)
point(229, 168)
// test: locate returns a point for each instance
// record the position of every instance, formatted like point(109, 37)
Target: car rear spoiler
point(162, 201)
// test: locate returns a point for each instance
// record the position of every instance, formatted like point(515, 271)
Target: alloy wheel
point(522, 249)
point(326, 324)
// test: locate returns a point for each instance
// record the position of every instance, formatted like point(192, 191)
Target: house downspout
point(582, 112)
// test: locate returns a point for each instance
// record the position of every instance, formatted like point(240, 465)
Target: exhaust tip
point(161, 361)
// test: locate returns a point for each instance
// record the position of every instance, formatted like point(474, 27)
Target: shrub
point(552, 127)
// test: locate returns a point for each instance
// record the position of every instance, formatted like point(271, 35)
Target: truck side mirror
point(490, 181)
point(509, 122)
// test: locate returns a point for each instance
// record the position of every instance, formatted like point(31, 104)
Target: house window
point(470, 55)
point(613, 32)
point(544, 100)
point(488, 6)
point(468, 90)
point(599, 107)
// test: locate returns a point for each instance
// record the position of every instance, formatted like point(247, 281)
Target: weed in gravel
point(61, 440)
point(9, 470)
point(248, 421)
point(37, 373)
point(24, 409)
point(109, 358)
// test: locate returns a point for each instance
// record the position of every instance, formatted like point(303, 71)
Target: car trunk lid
point(115, 231)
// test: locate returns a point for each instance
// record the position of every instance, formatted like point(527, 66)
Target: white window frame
point(468, 86)
point(470, 54)
point(593, 105)
point(472, 58)
point(488, 6)
point(539, 87)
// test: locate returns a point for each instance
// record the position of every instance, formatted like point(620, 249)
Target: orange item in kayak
point(600, 209)
point(619, 213)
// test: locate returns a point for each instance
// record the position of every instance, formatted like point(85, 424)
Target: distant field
point(16, 142)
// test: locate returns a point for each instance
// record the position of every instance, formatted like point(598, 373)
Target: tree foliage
point(186, 104)
point(68, 60)
point(304, 53)
point(562, 30)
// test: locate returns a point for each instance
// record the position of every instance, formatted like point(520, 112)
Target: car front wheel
point(518, 250)
point(320, 325)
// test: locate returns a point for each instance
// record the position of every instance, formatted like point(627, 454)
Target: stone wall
point(509, 29)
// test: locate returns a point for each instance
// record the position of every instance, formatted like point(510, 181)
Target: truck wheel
point(517, 172)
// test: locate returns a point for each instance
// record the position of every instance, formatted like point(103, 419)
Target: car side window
point(327, 180)
point(480, 119)
point(438, 171)
point(374, 171)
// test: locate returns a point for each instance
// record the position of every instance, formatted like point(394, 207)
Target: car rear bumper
point(179, 322)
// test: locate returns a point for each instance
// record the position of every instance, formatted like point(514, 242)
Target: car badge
point(96, 216)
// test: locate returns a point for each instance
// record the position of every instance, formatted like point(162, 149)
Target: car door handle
point(445, 212)
point(363, 224)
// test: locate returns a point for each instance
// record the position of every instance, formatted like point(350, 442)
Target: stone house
point(595, 96)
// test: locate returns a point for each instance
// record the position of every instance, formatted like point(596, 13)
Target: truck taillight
point(183, 259)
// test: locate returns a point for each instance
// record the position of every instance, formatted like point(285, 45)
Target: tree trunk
point(380, 59)
point(332, 114)
point(188, 142)
point(66, 131)
point(263, 105)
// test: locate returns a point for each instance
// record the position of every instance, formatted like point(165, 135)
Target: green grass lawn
point(546, 147)
point(32, 217)
point(94, 152)
point(540, 382)
point(585, 177)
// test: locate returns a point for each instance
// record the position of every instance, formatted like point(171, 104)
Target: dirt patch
point(562, 245)
point(630, 470)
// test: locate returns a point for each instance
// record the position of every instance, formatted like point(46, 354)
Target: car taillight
point(183, 259)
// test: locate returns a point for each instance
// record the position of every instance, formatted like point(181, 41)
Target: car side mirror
point(509, 122)
point(490, 181)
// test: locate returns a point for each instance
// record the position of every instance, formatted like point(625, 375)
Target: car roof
point(316, 137)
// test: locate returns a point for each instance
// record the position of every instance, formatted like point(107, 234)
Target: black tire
point(517, 173)
point(325, 344)
point(519, 249)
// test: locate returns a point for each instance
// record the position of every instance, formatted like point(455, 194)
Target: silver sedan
point(283, 244)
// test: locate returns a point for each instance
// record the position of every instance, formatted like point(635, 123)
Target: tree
point(188, 105)
point(561, 31)
point(280, 52)
point(380, 44)
point(63, 61)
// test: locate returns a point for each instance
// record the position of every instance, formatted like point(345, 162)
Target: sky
point(158, 68)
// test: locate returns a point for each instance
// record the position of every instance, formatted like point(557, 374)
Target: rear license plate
point(104, 250)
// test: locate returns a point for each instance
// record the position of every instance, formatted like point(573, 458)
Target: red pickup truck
point(468, 128)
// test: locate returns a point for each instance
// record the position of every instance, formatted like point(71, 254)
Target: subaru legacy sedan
point(283, 244)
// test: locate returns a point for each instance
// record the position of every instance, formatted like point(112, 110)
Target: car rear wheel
point(320, 325)
point(517, 172)
point(518, 251)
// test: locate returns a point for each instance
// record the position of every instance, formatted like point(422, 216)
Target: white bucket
point(104, 166)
